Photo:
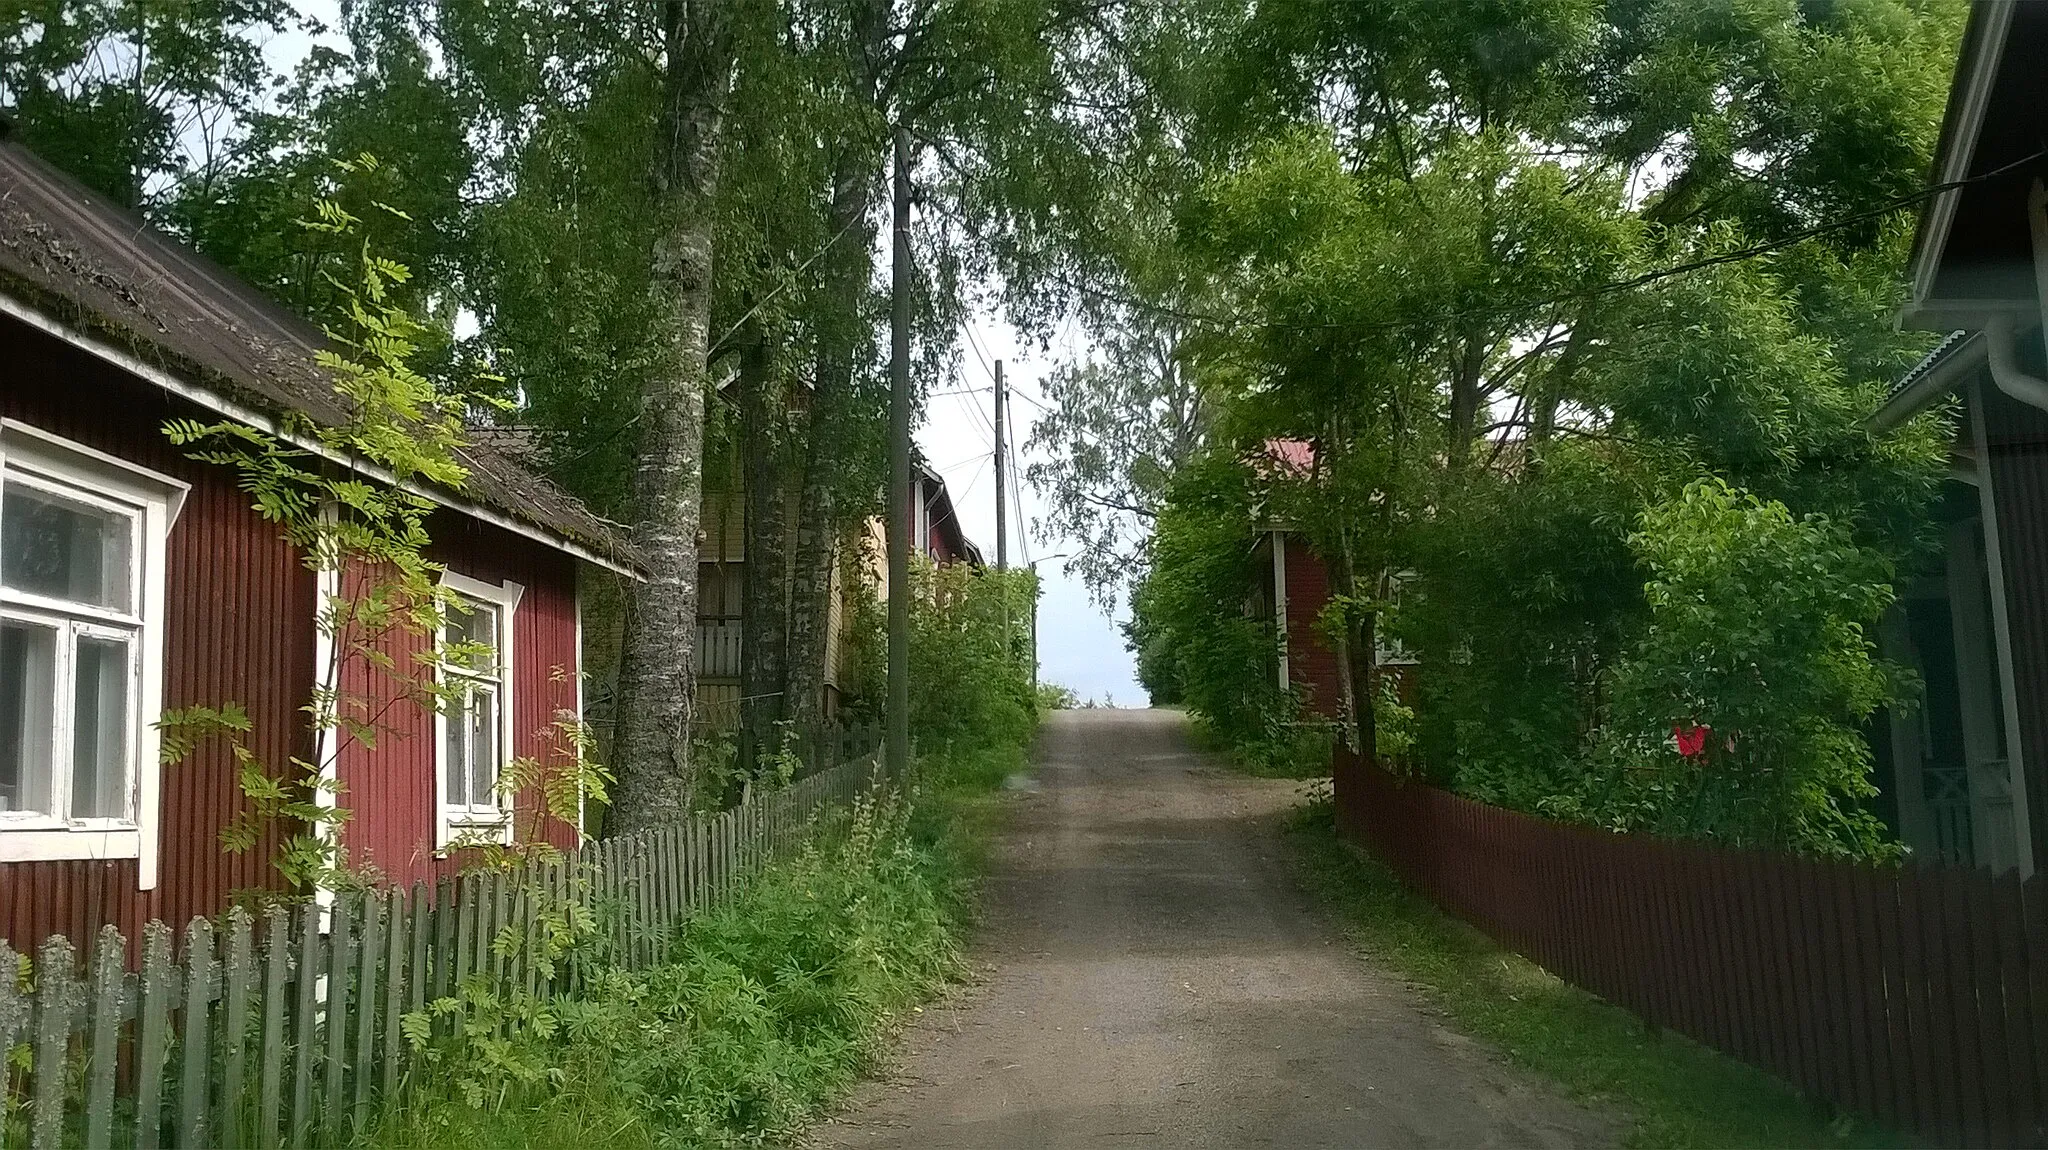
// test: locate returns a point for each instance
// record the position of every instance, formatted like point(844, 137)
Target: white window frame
point(478, 822)
point(36, 458)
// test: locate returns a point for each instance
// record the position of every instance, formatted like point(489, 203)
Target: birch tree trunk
point(819, 523)
point(657, 689)
point(764, 610)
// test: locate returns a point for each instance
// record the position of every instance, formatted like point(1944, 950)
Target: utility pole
point(1002, 535)
point(898, 746)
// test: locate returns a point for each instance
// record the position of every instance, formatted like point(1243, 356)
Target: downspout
point(2005, 368)
point(1998, 328)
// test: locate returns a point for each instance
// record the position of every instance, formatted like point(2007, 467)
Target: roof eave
point(213, 400)
point(1969, 97)
point(1936, 380)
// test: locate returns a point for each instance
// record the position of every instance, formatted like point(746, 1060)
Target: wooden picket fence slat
point(316, 996)
point(1916, 995)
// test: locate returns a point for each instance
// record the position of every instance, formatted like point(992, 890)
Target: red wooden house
point(1291, 588)
point(134, 579)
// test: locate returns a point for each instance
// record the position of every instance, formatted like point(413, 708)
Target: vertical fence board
point(370, 950)
point(443, 957)
point(270, 1062)
point(238, 976)
point(419, 925)
point(1928, 1101)
point(195, 1069)
point(152, 1029)
point(399, 978)
point(1967, 1071)
point(1906, 1014)
point(2034, 905)
point(109, 1002)
point(1853, 984)
point(307, 972)
point(55, 968)
point(1823, 983)
point(1865, 888)
point(341, 966)
point(15, 1007)
point(2000, 1113)
point(1937, 1063)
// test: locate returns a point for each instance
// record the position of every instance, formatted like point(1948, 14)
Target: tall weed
point(772, 1004)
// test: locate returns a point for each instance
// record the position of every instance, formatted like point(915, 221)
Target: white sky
point(1078, 646)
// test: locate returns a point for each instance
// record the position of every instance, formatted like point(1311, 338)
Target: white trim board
point(505, 597)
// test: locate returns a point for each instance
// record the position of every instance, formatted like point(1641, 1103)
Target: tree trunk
point(1358, 653)
point(1464, 417)
point(819, 513)
point(764, 618)
point(657, 693)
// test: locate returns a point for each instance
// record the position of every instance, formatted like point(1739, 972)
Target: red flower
point(1692, 740)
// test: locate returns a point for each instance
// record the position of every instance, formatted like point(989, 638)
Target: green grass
point(1673, 1091)
point(774, 1006)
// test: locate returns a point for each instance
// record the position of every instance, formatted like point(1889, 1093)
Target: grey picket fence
point(288, 1027)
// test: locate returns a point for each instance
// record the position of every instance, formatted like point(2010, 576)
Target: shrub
point(774, 1002)
point(970, 656)
point(1736, 715)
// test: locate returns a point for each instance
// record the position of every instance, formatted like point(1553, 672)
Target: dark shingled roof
point(70, 253)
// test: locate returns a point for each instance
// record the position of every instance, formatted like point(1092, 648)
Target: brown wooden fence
point(1916, 995)
point(288, 1029)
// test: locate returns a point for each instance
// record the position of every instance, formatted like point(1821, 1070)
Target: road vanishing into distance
point(1154, 977)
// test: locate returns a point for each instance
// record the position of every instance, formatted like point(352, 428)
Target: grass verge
point(775, 1004)
point(1674, 1091)
point(1301, 751)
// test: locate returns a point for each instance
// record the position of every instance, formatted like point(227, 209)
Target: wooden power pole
point(899, 517)
point(1002, 535)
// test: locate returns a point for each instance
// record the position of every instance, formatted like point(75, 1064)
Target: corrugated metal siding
point(1311, 665)
point(390, 788)
point(2019, 477)
point(238, 629)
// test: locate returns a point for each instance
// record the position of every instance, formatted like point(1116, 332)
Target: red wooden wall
point(391, 789)
point(238, 629)
point(1311, 664)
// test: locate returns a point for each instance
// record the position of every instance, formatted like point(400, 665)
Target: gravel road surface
point(1155, 978)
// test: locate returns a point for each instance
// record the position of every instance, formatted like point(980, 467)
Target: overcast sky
point(1078, 645)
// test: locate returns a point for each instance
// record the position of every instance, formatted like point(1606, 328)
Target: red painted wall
point(391, 788)
point(238, 629)
point(1311, 664)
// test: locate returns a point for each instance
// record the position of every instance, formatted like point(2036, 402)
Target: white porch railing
point(718, 647)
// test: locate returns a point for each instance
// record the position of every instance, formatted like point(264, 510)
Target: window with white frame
point(474, 726)
point(82, 542)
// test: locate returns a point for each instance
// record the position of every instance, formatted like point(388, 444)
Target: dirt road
point(1156, 979)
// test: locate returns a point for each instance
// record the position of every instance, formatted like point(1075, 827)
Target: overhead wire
point(1754, 251)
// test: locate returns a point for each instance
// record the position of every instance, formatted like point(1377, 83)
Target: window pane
point(99, 732)
point(28, 720)
point(483, 748)
point(473, 624)
point(455, 754)
point(54, 546)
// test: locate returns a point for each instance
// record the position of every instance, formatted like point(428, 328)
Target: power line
point(1017, 499)
point(1220, 323)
